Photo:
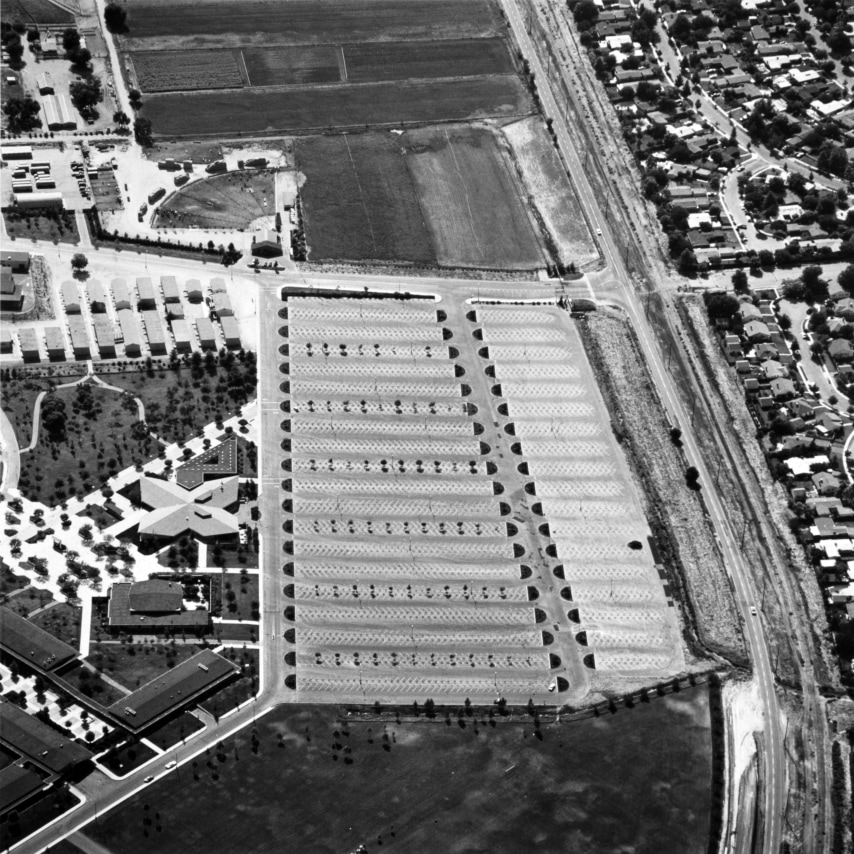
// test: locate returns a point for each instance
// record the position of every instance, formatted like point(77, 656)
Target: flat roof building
point(194, 290)
point(173, 690)
point(29, 344)
point(221, 305)
point(17, 784)
point(46, 199)
point(58, 112)
point(181, 333)
point(11, 293)
point(218, 285)
point(230, 331)
point(130, 333)
point(55, 342)
point(45, 83)
point(105, 336)
point(17, 152)
point(121, 293)
point(70, 297)
point(97, 298)
point(169, 286)
point(32, 645)
point(145, 293)
point(205, 330)
point(174, 310)
point(17, 262)
point(79, 333)
point(6, 345)
point(154, 332)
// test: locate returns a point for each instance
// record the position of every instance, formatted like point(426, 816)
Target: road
point(616, 278)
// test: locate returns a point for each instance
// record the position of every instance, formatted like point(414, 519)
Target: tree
point(142, 132)
point(846, 279)
point(688, 263)
point(739, 282)
point(81, 57)
point(721, 306)
point(70, 40)
point(86, 93)
point(121, 118)
point(815, 288)
point(79, 262)
point(14, 48)
point(23, 114)
point(115, 17)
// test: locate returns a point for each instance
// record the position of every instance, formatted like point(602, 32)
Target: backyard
point(638, 780)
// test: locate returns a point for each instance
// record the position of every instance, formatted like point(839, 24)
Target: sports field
point(233, 200)
point(320, 782)
point(426, 196)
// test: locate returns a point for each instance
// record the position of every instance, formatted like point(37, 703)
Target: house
point(825, 482)
point(840, 350)
point(749, 311)
point(773, 370)
point(766, 351)
point(756, 331)
point(783, 389)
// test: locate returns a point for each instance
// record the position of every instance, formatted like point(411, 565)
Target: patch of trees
point(810, 287)
point(23, 114)
point(85, 94)
point(115, 17)
point(53, 417)
point(12, 43)
point(142, 132)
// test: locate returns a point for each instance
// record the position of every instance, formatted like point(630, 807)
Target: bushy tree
point(846, 279)
point(142, 132)
point(86, 93)
point(23, 114)
point(115, 17)
point(79, 262)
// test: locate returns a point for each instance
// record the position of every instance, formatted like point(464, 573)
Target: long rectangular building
point(121, 293)
point(70, 297)
point(145, 293)
point(55, 342)
point(181, 333)
point(105, 336)
point(173, 690)
point(29, 344)
point(154, 332)
point(79, 332)
point(230, 331)
point(207, 339)
point(169, 286)
point(29, 643)
point(130, 333)
point(58, 112)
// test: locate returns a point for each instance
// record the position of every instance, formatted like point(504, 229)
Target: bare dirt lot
point(471, 199)
point(322, 782)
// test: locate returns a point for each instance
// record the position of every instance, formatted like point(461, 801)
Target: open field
point(359, 200)
point(551, 192)
point(232, 201)
point(185, 24)
point(171, 71)
point(471, 201)
point(285, 66)
point(57, 228)
point(227, 113)
point(35, 12)
point(478, 785)
point(428, 196)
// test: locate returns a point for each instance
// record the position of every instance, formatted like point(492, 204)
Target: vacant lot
point(35, 12)
point(182, 24)
point(471, 200)
point(232, 201)
point(285, 66)
point(319, 782)
point(551, 191)
point(360, 202)
point(173, 70)
point(268, 110)
point(371, 61)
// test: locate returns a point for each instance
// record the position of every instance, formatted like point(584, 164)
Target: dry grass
point(172, 71)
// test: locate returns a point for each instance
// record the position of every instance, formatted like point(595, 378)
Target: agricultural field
point(550, 190)
point(471, 200)
point(35, 12)
point(268, 110)
point(420, 569)
point(315, 66)
point(427, 196)
point(359, 200)
point(174, 71)
point(321, 782)
point(233, 201)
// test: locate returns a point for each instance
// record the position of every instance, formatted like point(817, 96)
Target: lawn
point(250, 111)
point(28, 600)
point(60, 226)
point(174, 70)
point(9, 582)
point(237, 595)
point(316, 782)
point(62, 621)
point(18, 397)
point(548, 184)
point(371, 61)
point(236, 633)
point(232, 201)
point(135, 664)
point(179, 403)
point(234, 693)
point(166, 23)
point(472, 201)
point(359, 200)
point(286, 66)
point(127, 758)
point(92, 440)
point(174, 731)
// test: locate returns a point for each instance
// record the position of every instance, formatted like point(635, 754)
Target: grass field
point(182, 24)
point(59, 229)
point(134, 664)
point(35, 12)
point(237, 594)
point(286, 66)
point(62, 621)
point(637, 781)
point(174, 731)
point(549, 186)
point(260, 111)
point(28, 600)
point(371, 61)
point(172, 70)
point(232, 201)
point(359, 200)
point(471, 200)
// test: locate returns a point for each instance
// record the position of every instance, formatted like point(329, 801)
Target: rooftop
point(29, 643)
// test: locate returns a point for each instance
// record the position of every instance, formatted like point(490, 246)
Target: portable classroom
point(205, 330)
point(130, 333)
point(121, 294)
point(29, 344)
point(230, 332)
point(70, 297)
point(55, 342)
point(145, 293)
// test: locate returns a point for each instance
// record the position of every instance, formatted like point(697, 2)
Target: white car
point(148, 780)
point(753, 610)
point(598, 232)
point(171, 764)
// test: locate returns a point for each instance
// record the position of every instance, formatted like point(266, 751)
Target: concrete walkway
point(11, 454)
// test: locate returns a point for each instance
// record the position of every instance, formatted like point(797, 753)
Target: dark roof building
point(11, 294)
point(18, 262)
point(29, 643)
point(16, 785)
point(152, 604)
point(156, 594)
point(219, 461)
point(39, 743)
point(174, 690)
